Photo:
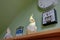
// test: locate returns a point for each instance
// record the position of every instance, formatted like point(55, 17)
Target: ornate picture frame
point(49, 17)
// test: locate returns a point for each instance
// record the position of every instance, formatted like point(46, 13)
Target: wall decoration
point(49, 17)
point(46, 5)
point(31, 28)
point(19, 31)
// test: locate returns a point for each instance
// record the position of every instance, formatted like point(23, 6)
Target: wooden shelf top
point(49, 33)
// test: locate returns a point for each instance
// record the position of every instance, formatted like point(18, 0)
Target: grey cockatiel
point(8, 34)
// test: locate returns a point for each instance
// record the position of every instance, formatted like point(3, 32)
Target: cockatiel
point(31, 28)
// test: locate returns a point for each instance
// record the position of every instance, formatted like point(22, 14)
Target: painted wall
point(23, 19)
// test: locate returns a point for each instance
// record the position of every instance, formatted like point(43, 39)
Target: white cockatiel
point(31, 28)
point(8, 34)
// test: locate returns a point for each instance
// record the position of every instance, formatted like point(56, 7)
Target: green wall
point(23, 19)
